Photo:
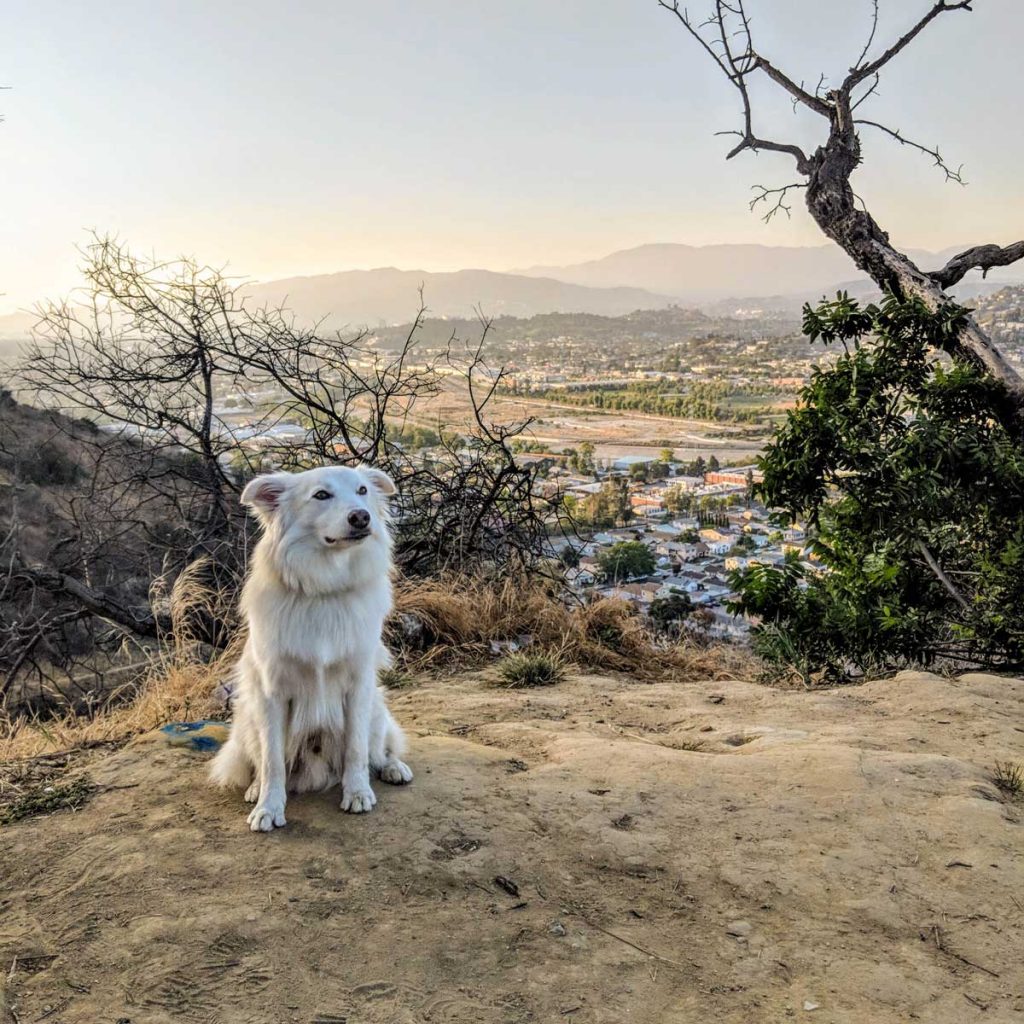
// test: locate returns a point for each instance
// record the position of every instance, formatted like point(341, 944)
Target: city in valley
point(644, 430)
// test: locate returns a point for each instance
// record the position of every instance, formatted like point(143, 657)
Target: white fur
point(308, 711)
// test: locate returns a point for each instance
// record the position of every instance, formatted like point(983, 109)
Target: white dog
point(308, 710)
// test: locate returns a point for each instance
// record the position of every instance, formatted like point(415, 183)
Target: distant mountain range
point(389, 295)
point(710, 273)
point(719, 279)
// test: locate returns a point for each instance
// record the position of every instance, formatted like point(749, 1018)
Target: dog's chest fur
point(322, 632)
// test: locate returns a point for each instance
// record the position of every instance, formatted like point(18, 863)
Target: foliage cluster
point(897, 462)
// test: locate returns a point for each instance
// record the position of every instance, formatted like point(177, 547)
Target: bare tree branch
point(188, 388)
point(144, 623)
point(736, 66)
point(942, 577)
point(862, 71)
point(871, 36)
point(812, 102)
point(980, 257)
point(779, 205)
point(951, 175)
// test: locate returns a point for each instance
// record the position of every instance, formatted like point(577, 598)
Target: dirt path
point(831, 857)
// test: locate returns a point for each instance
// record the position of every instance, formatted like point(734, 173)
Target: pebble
point(808, 1005)
point(557, 929)
point(739, 929)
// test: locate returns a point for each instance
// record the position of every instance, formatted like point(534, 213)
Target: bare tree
point(727, 39)
point(150, 348)
point(191, 393)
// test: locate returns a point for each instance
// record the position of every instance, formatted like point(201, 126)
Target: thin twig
point(638, 948)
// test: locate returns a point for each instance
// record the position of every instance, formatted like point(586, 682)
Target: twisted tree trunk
point(831, 202)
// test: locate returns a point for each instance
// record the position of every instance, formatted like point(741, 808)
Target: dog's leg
point(356, 794)
point(387, 747)
point(269, 810)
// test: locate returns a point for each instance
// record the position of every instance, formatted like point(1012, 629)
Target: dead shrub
point(453, 621)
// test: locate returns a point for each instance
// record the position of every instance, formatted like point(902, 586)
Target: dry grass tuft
point(461, 618)
point(1008, 778)
point(531, 669)
point(171, 692)
point(395, 679)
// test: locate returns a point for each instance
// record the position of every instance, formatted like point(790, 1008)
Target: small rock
point(738, 929)
point(808, 1005)
point(707, 728)
point(410, 629)
point(557, 929)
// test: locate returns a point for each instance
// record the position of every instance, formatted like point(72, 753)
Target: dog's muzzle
point(353, 536)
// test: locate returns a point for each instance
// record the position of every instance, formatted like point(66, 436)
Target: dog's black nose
point(359, 520)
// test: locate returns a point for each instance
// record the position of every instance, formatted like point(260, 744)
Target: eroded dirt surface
point(835, 856)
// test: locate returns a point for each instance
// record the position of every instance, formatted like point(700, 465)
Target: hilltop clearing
point(600, 851)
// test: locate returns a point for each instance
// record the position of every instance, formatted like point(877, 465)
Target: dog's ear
point(263, 493)
point(379, 479)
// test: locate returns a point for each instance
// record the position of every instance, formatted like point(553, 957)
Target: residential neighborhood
point(689, 554)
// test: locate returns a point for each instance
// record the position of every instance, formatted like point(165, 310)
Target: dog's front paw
point(252, 794)
point(357, 799)
point(396, 772)
point(267, 815)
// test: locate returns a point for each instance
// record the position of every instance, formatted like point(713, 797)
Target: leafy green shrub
point(522, 670)
point(667, 612)
point(912, 490)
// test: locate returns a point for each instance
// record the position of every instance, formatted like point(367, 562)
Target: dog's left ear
point(379, 479)
point(263, 494)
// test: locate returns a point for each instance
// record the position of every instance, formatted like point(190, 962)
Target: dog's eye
point(362, 490)
point(322, 495)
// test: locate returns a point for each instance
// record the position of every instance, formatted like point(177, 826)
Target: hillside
point(602, 852)
point(358, 297)
point(87, 519)
point(1002, 315)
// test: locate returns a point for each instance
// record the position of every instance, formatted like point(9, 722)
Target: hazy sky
point(317, 135)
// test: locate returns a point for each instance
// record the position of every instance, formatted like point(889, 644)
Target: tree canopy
point(626, 560)
point(913, 490)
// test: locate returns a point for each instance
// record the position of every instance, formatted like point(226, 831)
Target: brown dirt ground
point(852, 839)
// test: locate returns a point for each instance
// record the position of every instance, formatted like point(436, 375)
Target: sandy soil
point(834, 856)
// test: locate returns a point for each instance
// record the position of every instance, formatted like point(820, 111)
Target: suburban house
point(580, 577)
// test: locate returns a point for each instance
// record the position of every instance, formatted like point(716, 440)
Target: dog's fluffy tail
point(231, 766)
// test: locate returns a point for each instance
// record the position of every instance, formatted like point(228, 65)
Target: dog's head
point(316, 519)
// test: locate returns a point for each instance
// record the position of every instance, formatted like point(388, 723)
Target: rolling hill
point(356, 297)
point(702, 274)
